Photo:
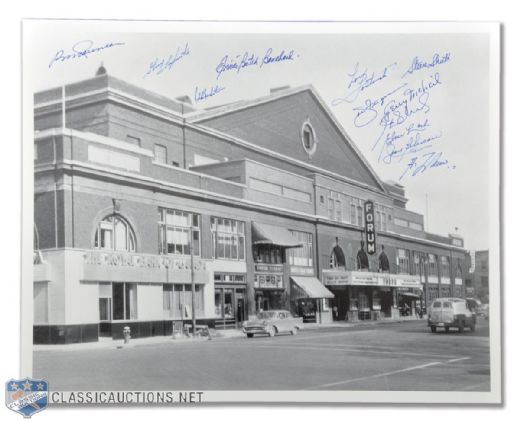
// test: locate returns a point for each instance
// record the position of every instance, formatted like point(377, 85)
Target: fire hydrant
point(126, 334)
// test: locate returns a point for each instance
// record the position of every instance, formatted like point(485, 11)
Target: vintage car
point(273, 322)
point(450, 312)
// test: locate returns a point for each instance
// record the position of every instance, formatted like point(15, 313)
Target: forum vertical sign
point(370, 229)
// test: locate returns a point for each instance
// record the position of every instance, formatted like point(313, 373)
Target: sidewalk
point(108, 343)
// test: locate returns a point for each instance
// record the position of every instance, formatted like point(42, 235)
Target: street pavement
point(402, 356)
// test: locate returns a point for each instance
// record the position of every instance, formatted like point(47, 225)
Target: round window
point(308, 138)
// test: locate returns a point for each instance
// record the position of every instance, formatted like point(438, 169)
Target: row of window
point(118, 301)
point(179, 234)
point(409, 262)
point(350, 210)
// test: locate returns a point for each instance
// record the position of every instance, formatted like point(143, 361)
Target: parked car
point(273, 322)
point(483, 311)
point(450, 312)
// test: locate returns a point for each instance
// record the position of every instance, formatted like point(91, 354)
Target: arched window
point(337, 258)
point(114, 233)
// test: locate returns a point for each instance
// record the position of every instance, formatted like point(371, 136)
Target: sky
point(425, 96)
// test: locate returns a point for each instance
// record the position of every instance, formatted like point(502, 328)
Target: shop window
point(124, 301)
point(41, 303)
point(302, 256)
point(177, 300)
point(105, 301)
point(228, 238)
point(179, 231)
point(114, 233)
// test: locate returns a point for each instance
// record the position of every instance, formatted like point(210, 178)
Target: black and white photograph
point(261, 212)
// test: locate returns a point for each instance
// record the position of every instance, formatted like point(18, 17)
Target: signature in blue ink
point(81, 49)
point(205, 93)
point(393, 151)
point(158, 66)
point(367, 112)
point(281, 57)
point(238, 63)
point(361, 80)
point(417, 64)
point(247, 59)
point(411, 102)
point(426, 162)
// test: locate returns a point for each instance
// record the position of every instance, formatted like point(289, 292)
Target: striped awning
point(265, 234)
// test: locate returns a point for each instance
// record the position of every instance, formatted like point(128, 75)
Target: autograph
point(159, 66)
point(81, 49)
point(418, 64)
point(399, 109)
point(207, 93)
point(427, 161)
point(247, 59)
point(361, 80)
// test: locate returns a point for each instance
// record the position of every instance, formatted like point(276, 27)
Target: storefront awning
point(311, 287)
point(410, 295)
point(264, 234)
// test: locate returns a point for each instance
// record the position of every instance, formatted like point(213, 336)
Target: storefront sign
point(362, 278)
point(370, 228)
point(268, 281)
point(125, 259)
point(269, 268)
point(295, 270)
point(336, 278)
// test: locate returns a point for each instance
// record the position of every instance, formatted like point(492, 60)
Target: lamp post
point(192, 283)
point(425, 287)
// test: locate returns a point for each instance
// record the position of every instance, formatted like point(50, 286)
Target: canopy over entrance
point(264, 234)
point(311, 288)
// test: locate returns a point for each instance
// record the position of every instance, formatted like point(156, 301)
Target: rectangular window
point(124, 297)
point(159, 154)
point(432, 265)
point(301, 256)
point(175, 228)
point(445, 266)
point(330, 208)
point(403, 261)
point(228, 238)
point(337, 209)
point(267, 254)
point(177, 300)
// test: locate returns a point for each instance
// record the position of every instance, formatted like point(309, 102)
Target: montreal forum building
point(149, 211)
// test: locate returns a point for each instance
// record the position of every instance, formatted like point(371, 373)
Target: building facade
point(149, 212)
point(479, 282)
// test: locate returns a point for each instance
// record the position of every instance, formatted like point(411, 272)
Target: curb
point(234, 333)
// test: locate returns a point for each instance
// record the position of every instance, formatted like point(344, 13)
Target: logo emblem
point(26, 396)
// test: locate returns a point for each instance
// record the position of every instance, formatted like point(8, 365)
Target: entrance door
point(241, 314)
